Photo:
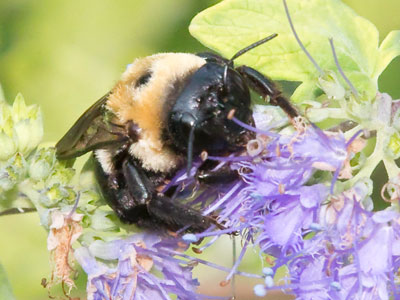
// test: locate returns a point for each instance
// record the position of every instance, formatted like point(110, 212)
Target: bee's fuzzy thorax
point(144, 104)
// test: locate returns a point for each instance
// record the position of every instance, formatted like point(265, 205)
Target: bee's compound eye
point(143, 79)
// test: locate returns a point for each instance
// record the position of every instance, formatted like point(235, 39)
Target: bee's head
point(203, 108)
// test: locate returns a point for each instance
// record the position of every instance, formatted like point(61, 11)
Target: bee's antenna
point(252, 46)
point(244, 50)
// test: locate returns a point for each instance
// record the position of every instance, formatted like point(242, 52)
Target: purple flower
point(352, 257)
point(272, 190)
point(140, 267)
point(333, 246)
point(297, 212)
point(309, 281)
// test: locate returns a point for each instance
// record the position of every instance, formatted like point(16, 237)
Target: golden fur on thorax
point(144, 104)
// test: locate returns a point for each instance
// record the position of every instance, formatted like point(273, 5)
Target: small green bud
point(6, 122)
point(6, 182)
point(28, 127)
point(39, 170)
point(331, 86)
point(8, 147)
point(57, 193)
point(21, 128)
point(12, 172)
point(19, 162)
point(89, 201)
point(394, 145)
point(101, 221)
point(19, 109)
point(60, 174)
point(17, 166)
point(42, 164)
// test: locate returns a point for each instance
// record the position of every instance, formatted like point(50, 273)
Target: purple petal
point(375, 254)
point(385, 216)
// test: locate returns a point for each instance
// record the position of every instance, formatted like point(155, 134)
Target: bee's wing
point(91, 131)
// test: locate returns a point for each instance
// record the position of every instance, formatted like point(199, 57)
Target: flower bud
point(393, 148)
point(12, 172)
point(60, 174)
point(101, 221)
point(21, 128)
point(28, 127)
point(42, 164)
point(8, 147)
point(6, 183)
point(331, 86)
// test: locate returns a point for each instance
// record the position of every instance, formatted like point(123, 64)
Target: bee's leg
point(177, 216)
point(150, 210)
point(207, 174)
point(266, 87)
point(137, 183)
point(129, 204)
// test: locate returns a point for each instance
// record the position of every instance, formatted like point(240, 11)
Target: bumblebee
point(165, 109)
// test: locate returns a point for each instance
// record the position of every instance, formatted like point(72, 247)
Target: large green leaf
point(5, 287)
point(389, 49)
point(233, 24)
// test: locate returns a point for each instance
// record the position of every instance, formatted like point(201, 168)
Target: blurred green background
point(64, 55)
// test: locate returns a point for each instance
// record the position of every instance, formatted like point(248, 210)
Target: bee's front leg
point(266, 87)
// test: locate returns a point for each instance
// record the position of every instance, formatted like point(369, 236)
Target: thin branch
point(16, 211)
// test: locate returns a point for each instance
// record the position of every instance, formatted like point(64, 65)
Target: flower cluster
point(354, 253)
point(280, 184)
point(124, 272)
point(333, 245)
point(21, 130)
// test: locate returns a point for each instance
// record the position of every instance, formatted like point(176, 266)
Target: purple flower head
point(274, 191)
point(139, 267)
point(297, 212)
point(355, 252)
point(374, 254)
point(278, 203)
point(308, 279)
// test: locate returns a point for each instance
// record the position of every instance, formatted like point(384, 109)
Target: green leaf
point(234, 24)
point(389, 49)
point(5, 287)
